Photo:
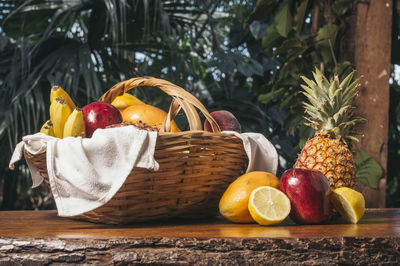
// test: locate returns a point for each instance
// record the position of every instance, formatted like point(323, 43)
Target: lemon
point(268, 205)
point(349, 203)
point(233, 203)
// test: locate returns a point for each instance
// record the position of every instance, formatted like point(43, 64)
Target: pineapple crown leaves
point(330, 104)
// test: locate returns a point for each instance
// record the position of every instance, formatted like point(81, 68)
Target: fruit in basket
point(233, 204)
point(75, 124)
point(268, 205)
point(47, 128)
point(58, 92)
point(308, 192)
point(125, 100)
point(226, 121)
point(59, 113)
point(99, 115)
point(137, 125)
point(349, 203)
point(148, 115)
point(330, 113)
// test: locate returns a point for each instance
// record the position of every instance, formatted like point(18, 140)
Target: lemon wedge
point(349, 203)
point(268, 205)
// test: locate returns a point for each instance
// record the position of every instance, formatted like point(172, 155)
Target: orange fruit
point(147, 114)
point(233, 204)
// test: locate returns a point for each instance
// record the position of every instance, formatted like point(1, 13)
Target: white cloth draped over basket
point(85, 173)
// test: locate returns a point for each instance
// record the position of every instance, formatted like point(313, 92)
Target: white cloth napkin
point(34, 144)
point(85, 173)
point(262, 154)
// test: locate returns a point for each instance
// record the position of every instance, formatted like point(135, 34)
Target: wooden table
point(40, 237)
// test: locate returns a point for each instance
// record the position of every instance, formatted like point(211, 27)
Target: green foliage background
point(243, 56)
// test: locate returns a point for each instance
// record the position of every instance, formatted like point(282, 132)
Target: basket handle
point(180, 99)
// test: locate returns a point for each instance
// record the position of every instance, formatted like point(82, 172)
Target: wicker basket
point(195, 166)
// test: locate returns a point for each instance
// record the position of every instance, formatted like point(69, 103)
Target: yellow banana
point(58, 92)
point(75, 124)
point(125, 100)
point(47, 128)
point(52, 104)
point(59, 113)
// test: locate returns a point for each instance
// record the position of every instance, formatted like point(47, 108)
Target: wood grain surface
point(43, 238)
point(375, 223)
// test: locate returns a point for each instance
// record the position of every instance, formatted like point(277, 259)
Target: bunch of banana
point(58, 92)
point(47, 128)
point(75, 124)
point(59, 113)
point(65, 118)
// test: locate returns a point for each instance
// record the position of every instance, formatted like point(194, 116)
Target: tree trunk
point(373, 31)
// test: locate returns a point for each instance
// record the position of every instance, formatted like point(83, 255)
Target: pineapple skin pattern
point(329, 156)
point(329, 111)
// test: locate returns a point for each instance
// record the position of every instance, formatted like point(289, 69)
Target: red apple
point(308, 192)
point(226, 121)
point(99, 115)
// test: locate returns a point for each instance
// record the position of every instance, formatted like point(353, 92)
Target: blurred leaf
point(246, 71)
point(368, 170)
point(283, 19)
point(97, 30)
point(327, 56)
point(392, 187)
point(237, 35)
point(300, 15)
point(305, 132)
point(343, 69)
point(291, 48)
point(327, 34)
point(326, 38)
point(287, 100)
point(28, 23)
point(271, 38)
point(256, 67)
point(262, 10)
point(258, 29)
point(266, 98)
point(340, 7)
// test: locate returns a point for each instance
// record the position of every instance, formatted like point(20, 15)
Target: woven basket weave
point(195, 166)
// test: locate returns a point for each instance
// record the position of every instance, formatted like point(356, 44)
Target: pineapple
point(330, 113)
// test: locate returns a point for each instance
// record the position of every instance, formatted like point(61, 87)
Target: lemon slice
point(349, 203)
point(268, 205)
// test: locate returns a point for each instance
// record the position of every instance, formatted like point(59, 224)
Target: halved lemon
point(349, 203)
point(268, 205)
